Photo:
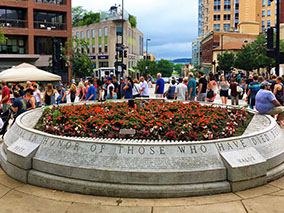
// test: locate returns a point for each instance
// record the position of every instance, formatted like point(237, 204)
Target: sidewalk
point(17, 197)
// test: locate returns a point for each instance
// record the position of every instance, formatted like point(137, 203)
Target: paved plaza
point(18, 197)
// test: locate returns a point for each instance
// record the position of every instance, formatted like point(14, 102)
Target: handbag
point(210, 94)
point(239, 89)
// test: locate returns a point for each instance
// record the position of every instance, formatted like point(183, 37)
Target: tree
point(132, 21)
point(178, 68)
point(76, 56)
point(226, 62)
point(147, 67)
point(77, 14)
point(2, 36)
point(165, 67)
point(245, 59)
point(81, 17)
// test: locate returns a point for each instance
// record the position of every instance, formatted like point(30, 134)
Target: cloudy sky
point(170, 24)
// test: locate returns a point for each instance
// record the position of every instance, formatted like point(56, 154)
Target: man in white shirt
point(181, 91)
point(144, 88)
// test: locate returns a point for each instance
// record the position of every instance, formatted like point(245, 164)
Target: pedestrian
point(253, 88)
point(211, 88)
point(109, 85)
point(49, 95)
point(20, 89)
point(266, 103)
point(234, 92)
point(185, 81)
point(37, 95)
point(30, 99)
point(202, 87)
point(224, 90)
point(82, 94)
point(72, 92)
point(273, 82)
point(144, 92)
point(5, 96)
point(112, 94)
point(136, 89)
point(19, 105)
point(121, 91)
point(62, 94)
point(150, 81)
point(116, 84)
point(160, 86)
point(128, 88)
point(99, 90)
point(29, 85)
point(86, 86)
point(191, 87)
point(181, 91)
point(91, 94)
point(105, 85)
point(279, 90)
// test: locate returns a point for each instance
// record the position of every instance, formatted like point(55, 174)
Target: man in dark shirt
point(201, 95)
point(19, 106)
point(273, 82)
point(116, 84)
point(253, 89)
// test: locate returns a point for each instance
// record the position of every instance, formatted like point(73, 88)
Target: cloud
point(171, 25)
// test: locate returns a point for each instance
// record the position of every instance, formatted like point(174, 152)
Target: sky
point(170, 24)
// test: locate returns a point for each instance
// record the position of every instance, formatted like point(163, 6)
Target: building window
point(227, 17)
point(268, 3)
point(268, 13)
point(227, 5)
point(263, 26)
point(13, 45)
point(103, 64)
point(100, 48)
point(49, 20)
point(217, 5)
point(226, 27)
point(263, 3)
point(106, 48)
point(100, 32)
point(263, 13)
point(106, 31)
point(82, 35)
point(217, 17)
point(268, 23)
point(216, 27)
point(88, 34)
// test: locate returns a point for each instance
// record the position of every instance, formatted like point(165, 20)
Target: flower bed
point(151, 120)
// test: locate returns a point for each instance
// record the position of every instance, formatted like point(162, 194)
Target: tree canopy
point(2, 36)
point(226, 62)
point(81, 17)
point(165, 67)
point(76, 56)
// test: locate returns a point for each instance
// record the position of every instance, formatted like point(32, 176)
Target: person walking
point(62, 94)
point(82, 94)
point(136, 89)
point(49, 95)
point(279, 90)
point(144, 92)
point(121, 91)
point(170, 94)
point(253, 88)
point(191, 87)
point(211, 89)
point(91, 94)
point(128, 88)
point(224, 90)
point(19, 105)
point(37, 95)
point(5, 96)
point(181, 92)
point(72, 92)
point(160, 86)
point(202, 87)
point(234, 92)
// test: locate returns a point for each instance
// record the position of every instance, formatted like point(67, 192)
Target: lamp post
point(277, 53)
point(147, 40)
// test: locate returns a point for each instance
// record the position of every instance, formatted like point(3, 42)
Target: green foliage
point(78, 61)
point(147, 67)
point(165, 67)
point(178, 68)
point(132, 21)
point(197, 68)
point(81, 17)
point(226, 62)
point(2, 36)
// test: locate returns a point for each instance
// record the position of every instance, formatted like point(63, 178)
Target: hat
point(109, 78)
point(122, 78)
point(180, 79)
point(60, 85)
point(266, 83)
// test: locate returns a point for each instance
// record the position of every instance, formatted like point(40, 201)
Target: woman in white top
point(136, 89)
point(37, 95)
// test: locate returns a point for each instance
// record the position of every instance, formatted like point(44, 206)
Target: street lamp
point(147, 40)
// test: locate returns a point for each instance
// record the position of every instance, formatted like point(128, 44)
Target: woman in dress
point(49, 95)
point(224, 90)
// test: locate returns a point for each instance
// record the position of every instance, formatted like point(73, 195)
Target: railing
point(13, 23)
point(58, 2)
point(49, 25)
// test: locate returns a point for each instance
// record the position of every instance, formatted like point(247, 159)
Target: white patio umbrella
point(27, 72)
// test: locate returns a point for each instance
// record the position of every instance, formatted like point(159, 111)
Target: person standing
point(91, 94)
point(202, 87)
point(49, 95)
point(82, 94)
point(116, 84)
point(224, 90)
point(30, 99)
point(63, 97)
point(37, 95)
point(72, 92)
point(253, 88)
point(160, 86)
point(170, 94)
point(279, 90)
point(212, 86)
point(234, 92)
point(19, 105)
point(191, 87)
point(5, 96)
point(109, 85)
point(128, 88)
point(181, 91)
point(121, 91)
point(144, 88)
point(136, 89)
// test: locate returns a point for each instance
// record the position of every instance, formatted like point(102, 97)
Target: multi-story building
point(104, 36)
point(196, 53)
point(200, 10)
point(151, 57)
point(35, 29)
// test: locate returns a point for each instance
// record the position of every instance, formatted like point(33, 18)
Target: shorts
point(224, 93)
point(276, 110)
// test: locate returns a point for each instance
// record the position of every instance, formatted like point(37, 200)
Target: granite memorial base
point(143, 169)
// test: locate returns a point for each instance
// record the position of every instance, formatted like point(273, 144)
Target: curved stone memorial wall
point(143, 169)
